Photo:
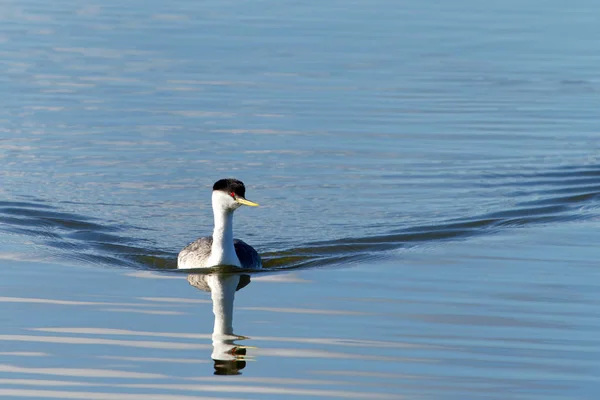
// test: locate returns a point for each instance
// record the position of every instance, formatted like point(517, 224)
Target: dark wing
point(248, 257)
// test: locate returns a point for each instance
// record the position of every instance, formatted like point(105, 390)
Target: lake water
point(428, 174)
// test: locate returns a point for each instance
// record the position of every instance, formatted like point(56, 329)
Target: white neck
point(222, 250)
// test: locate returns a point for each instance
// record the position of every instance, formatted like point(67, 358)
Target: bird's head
point(229, 195)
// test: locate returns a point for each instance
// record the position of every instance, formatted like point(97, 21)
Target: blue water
point(428, 176)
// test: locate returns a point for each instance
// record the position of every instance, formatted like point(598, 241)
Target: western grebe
point(221, 248)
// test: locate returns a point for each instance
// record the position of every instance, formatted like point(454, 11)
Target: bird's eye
point(232, 195)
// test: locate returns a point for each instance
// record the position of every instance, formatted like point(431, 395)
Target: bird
point(221, 248)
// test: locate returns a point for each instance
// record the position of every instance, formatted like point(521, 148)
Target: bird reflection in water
point(229, 358)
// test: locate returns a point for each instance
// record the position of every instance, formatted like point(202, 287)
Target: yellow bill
point(245, 202)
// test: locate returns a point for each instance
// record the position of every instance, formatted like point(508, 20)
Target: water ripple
point(86, 239)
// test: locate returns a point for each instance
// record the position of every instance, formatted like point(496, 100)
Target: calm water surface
point(429, 176)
